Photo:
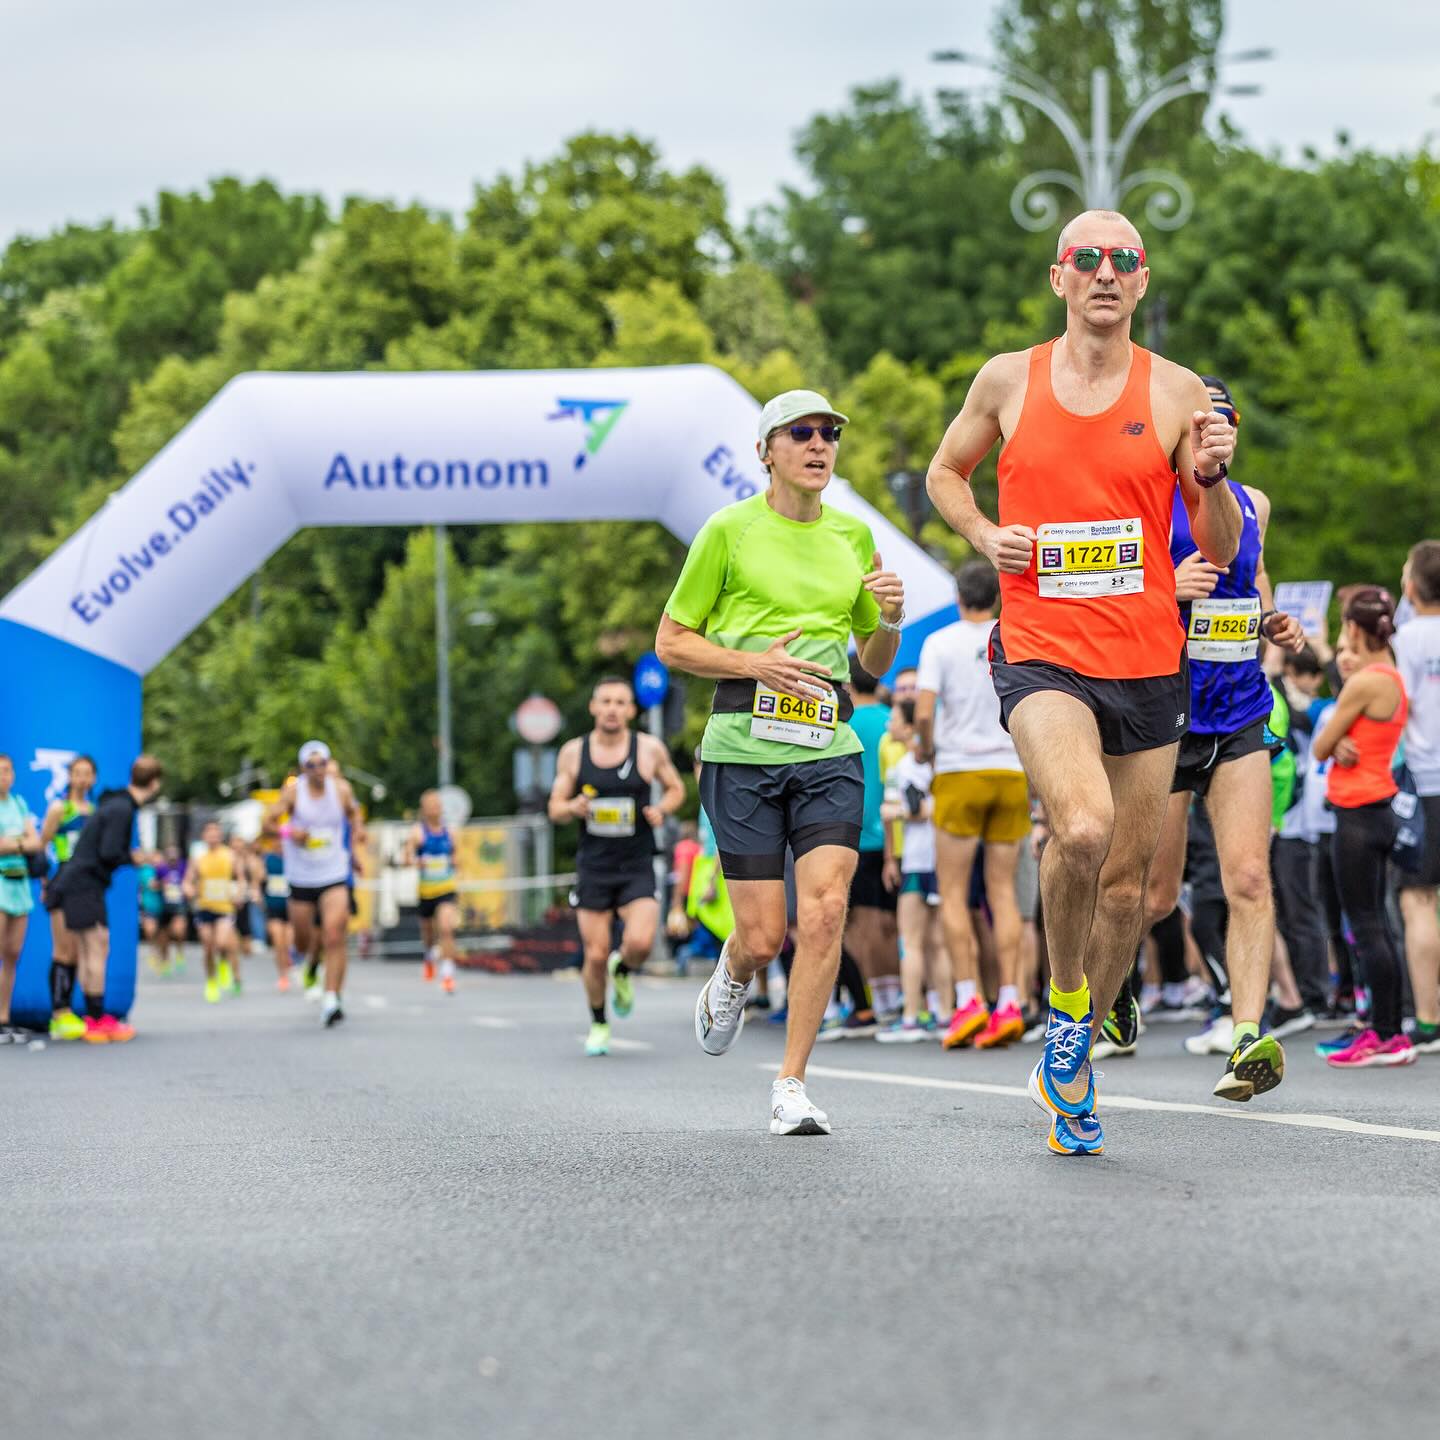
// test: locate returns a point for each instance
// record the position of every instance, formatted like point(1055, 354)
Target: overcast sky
point(103, 104)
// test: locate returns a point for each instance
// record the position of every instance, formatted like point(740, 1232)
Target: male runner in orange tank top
point(1089, 656)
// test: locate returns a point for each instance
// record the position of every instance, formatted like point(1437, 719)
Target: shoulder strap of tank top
point(585, 761)
point(635, 751)
point(1039, 383)
point(1137, 386)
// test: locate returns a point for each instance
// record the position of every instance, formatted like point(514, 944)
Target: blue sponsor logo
point(599, 417)
point(401, 473)
point(721, 464)
point(215, 487)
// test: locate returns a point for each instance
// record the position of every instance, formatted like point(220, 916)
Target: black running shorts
point(757, 811)
point(1132, 715)
point(429, 904)
point(1202, 755)
point(1428, 876)
point(867, 884)
point(82, 904)
point(603, 890)
point(310, 894)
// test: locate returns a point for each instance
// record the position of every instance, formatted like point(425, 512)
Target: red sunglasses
point(1126, 259)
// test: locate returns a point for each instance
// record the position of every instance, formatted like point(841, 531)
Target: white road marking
point(630, 1044)
point(493, 1022)
point(377, 1002)
point(1136, 1102)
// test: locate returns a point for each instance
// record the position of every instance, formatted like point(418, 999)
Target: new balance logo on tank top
point(1228, 689)
point(1099, 596)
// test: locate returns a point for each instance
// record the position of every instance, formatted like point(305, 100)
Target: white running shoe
point(791, 1112)
point(720, 1009)
point(330, 1011)
point(1217, 1038)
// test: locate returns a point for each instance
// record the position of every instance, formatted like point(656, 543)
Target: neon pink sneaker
point(1006, 1026)
point(966, 1023)
point(1367, 1048)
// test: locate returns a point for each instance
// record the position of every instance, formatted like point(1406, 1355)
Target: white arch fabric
point(274, 452)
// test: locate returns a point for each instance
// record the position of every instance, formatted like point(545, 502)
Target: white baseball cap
point(795, 405)
point(314, 749)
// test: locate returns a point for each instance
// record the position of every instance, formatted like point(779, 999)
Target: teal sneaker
point(624, 986)
point(597, 1042)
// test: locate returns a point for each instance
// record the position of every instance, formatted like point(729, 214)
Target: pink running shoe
point(966, 1024)
point(1367, 1048)
point(1006, 1026)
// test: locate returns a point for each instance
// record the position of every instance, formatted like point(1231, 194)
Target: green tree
point(1338, 427)
point(905, 244)
point(165, 295)
point(1137, 41)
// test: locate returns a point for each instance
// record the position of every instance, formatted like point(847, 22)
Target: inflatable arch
point(274, 452)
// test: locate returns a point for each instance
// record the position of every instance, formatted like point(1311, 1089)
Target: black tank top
point(615, 837)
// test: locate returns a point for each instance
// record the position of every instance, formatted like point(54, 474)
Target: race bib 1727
point(1090, 559)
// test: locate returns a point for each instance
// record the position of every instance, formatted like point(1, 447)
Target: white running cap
point(795, 405)
point(313, 749)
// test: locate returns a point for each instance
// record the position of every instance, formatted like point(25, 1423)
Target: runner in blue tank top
point(1225, 760)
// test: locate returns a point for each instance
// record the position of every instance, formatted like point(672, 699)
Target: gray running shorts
point(758, 810)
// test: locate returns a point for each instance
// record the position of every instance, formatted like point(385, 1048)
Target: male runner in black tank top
point(604, 780)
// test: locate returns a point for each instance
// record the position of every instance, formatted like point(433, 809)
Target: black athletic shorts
point(1202, 755)
point(1428, 875)
point(429, 904)
point(1132, 715)
point(50, 890)
point(758, 810)
point(242, 921)
point(867, 884)
point(602, 890)
point(214, 917)
point(82, 904)
point(310, 894)
point(277, 908)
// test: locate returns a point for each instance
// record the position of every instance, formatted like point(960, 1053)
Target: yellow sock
point(1074, 1003)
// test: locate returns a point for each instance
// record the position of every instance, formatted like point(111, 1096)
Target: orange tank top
point(1099, 596)
point(1369, 778)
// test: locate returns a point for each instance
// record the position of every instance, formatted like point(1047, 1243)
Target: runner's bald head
point(1099, 227)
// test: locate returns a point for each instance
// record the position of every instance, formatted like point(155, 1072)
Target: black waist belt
point(737, 697)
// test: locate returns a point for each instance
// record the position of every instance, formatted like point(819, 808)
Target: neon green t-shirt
point(753, 576)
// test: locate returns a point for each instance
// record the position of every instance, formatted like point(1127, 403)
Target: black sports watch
point(1207, 482)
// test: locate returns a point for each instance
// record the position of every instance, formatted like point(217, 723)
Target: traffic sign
point(652, 680)
point(537, 720)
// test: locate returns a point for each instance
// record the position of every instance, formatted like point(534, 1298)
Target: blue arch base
point(61, 701)
point(915, 635)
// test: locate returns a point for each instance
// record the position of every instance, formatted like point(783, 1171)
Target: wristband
point(887, 626)
point(1207, 482)
point(285, 831)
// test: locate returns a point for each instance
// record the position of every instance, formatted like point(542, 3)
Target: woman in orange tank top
point(1362, 734)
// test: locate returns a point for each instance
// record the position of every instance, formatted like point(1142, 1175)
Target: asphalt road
point(443, 1220)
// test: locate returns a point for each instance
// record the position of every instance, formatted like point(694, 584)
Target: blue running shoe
point(1334, 1044)
point(1062, 1081)
point(1076, 1135)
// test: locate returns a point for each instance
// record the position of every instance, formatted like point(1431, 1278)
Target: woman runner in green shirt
point(770, 594)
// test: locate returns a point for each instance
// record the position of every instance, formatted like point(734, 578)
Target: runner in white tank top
point(312, 817)
point(321, 859)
